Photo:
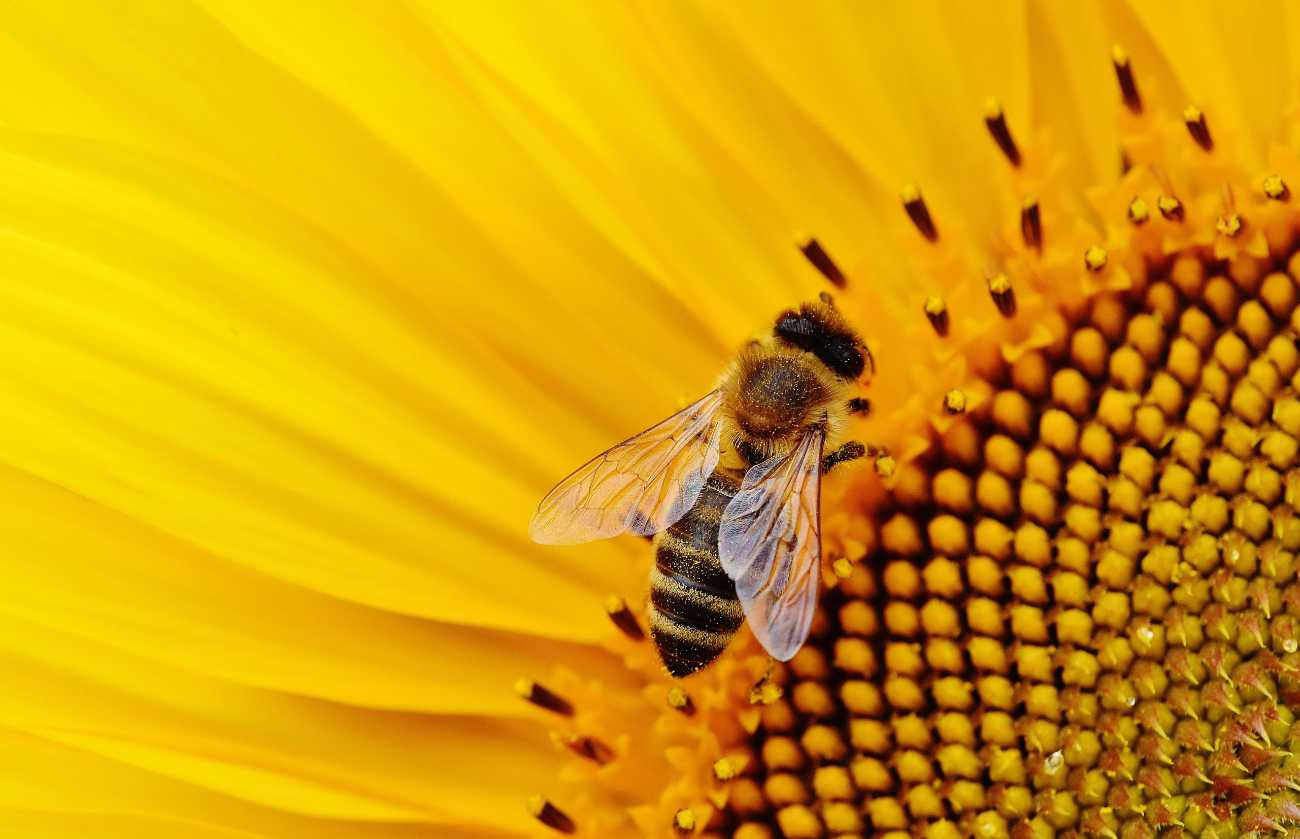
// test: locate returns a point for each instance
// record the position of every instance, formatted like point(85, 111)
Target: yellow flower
point(305, 307)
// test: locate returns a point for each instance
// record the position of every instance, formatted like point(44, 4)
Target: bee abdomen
point(694, 612)
point(693, 606)
point(682, 648)
point(691, 621)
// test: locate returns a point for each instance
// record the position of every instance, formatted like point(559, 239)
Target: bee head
point(819, 329)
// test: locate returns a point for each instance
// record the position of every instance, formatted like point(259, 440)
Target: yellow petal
point(48, 789)
point(306, 756)
point(344, 309)
point(1074, 89)
point(903, 88)
point(164, 599)
point(1231, 61)
point(700, 206)
point(150, 381)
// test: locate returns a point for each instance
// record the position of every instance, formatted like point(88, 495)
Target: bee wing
point(769, 542)
point(642, 485)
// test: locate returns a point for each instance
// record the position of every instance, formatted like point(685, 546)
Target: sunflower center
point(1080, 613)
point(1076, 614)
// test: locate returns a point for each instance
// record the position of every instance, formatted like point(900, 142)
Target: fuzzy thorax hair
point(772, 392)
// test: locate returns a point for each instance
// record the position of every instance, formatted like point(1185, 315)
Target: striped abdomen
point(693, 609)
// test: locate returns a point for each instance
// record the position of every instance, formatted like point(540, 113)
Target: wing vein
point(642, 485)
point(769, 544)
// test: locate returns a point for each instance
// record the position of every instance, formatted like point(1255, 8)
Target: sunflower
point(306, 306)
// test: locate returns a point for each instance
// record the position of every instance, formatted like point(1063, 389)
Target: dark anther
point(1229, 224)
point(826, 298)
point(589, 748)
point(1197, 127)
point(550, 815)
point(623, 618)
point(1031, 225)
point(1004, 296)
point(936, 311)
point(1170, 207)
point(822, 261)
point(725, 768)
point(851, 450)
point(542, 697)
point(858, 405)
point(1127, 86)
point(680, 700)
point(996, 121)
point(919, 213)
point(1138, 212)
point(765, 691)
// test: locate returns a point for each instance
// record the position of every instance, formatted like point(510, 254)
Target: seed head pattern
point(1064, 602)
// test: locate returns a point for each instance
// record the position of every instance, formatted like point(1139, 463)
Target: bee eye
point(838, 350)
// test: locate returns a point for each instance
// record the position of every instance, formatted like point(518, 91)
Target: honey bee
point(729, 486)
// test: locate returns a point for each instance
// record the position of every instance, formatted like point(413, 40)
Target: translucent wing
point(770, 544)
point(642, 485)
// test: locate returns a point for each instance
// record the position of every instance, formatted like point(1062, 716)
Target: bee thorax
point(775, 395)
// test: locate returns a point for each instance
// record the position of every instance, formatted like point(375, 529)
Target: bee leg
point(747, 451)
point(851, 450)
point(858, 405)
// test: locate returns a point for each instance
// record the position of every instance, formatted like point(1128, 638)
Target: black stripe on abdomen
point(693, 566)
point(693, 606)
point(691, 625)
point(694, 612)
point(684, 650)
